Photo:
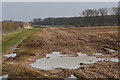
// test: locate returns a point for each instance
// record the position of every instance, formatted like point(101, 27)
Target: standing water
point(4, 77)
point(72, 77)
point(10, 55)
point(58, 60)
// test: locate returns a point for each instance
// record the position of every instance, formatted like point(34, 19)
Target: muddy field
point(67, 41)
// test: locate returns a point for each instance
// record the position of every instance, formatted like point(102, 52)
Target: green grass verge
point(13, 38)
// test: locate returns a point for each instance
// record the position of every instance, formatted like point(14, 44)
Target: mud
point(71, 41)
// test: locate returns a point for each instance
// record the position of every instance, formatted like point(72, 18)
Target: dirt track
point(72, 41)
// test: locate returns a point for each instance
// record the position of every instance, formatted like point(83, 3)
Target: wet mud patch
point(58, 60)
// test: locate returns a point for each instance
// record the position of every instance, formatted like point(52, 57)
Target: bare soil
point(72, 40)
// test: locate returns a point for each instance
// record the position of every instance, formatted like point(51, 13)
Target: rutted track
point(72, 41)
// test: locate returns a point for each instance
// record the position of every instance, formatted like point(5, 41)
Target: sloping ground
point(9, 26)
point(11, 39)
point(71, 41)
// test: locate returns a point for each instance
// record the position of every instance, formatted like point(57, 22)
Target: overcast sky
point(26, 11)
point(60, 0)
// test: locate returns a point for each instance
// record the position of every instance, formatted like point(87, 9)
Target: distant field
point(13, 38)
point(49, 26)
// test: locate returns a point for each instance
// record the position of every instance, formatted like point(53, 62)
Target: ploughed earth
point(86, 52)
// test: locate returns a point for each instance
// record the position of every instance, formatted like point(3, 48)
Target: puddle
point(109, 59)
point(4, 76)
point(81, 54)
point(111, 50)
point(114, 59)
point(97, 54)
point(16, 48)
point(10, 55)
point(56, 54)
point(58, 60)
point(62, 62)
point(72, 77)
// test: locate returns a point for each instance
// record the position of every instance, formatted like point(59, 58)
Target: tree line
point(88, 17)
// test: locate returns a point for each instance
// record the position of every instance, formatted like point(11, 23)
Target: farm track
point(72, 41)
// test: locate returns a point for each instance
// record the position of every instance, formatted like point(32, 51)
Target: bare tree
point(95, 12)
point(103, 11)
point(113, 11)
point(83, 14)
point(87, 13)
